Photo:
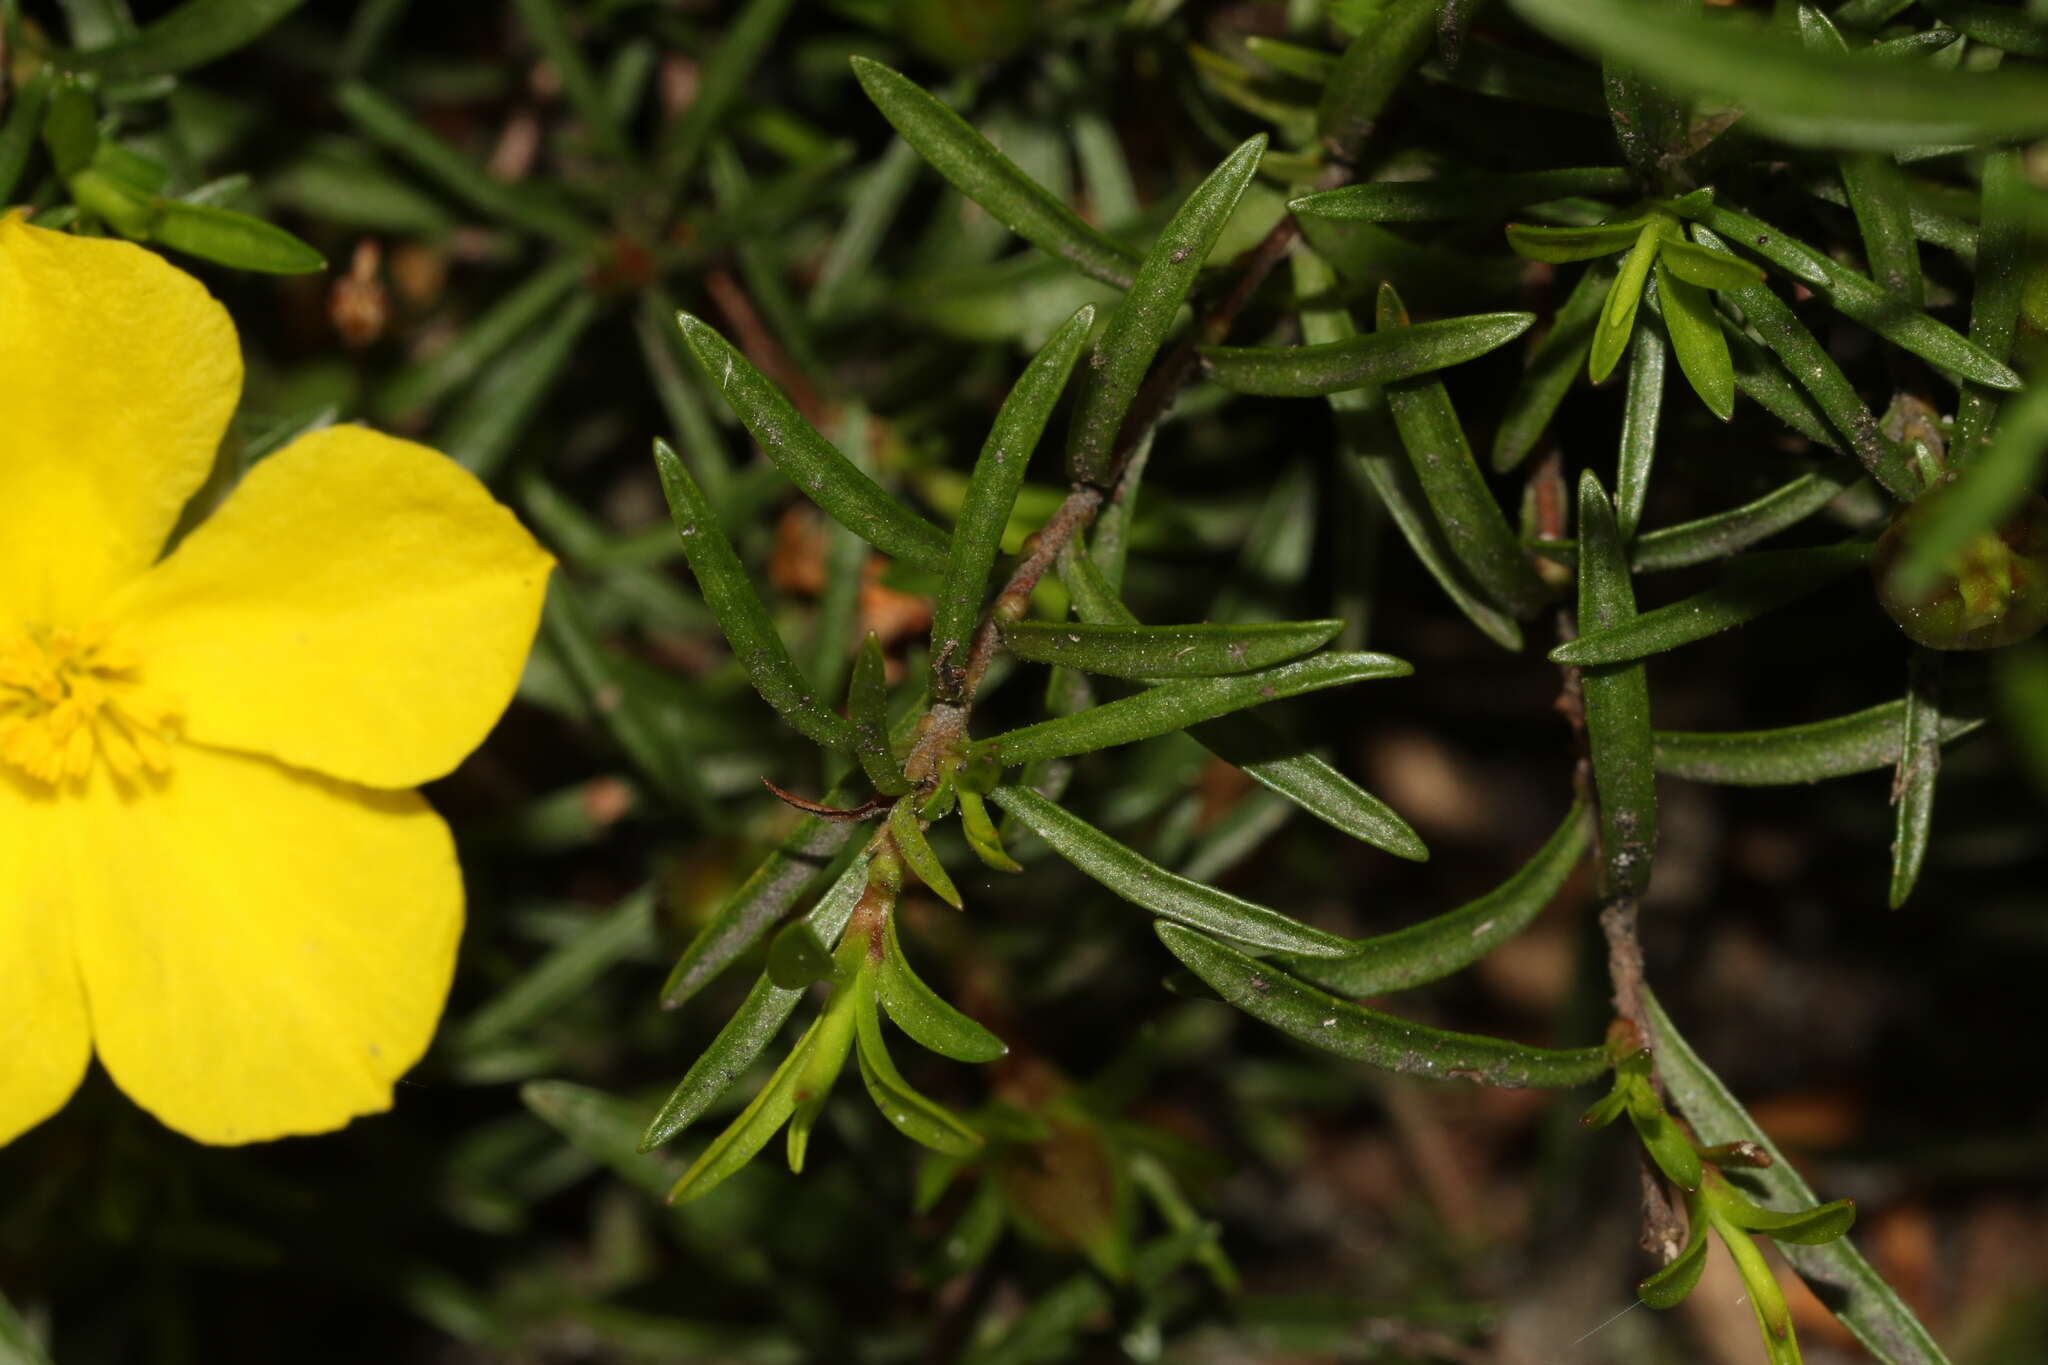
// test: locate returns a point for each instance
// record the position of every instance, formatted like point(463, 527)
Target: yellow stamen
point(74, 694)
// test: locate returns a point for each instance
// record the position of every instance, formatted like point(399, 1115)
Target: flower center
point(69, 696)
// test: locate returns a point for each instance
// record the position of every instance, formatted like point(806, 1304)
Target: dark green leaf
point(744, 39)
point(1754, 585)
point(1141, 321)
point(796, 959)
point(481, 430)
point(24, 122)
point(1554, 361)
point(1999, 26)
point(1857, 743)
point(563, 974)
point(920, 1012)
point(1452, 941)
point(1559, 245)
point(1371, 69)
point(1639, 417)
point(1697, 340)
point(515, 313)
point(1149, 886)
point(1176, 705)
point(740, 612)
point(603, 1127)
point(1838, 100)
point(1877, 195)
point(1724, 533)
point(1464, 197)
point(1359, 361)
point(909, 1112)
point(991, 179)
point(1323, 1021)
point(867, 709)
point(1471, 520)
point(1165, 651)
point(1617, 705)
point(1995, 303)
point(1859, 1296)
point(1618, 314)
point(1764, 381)
point(991, 493)
point(193, 34)
point(549, 26)
point(819, 471)
point(1919, 763)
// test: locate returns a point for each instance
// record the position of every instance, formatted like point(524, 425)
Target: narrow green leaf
point(1176, 705)
point(908, 832)
point(1310, 782)
point(754, 1024)
point(1764, 381)
point(981, 833)
point(1617, 705)
point(744, 39)
point(2000, 276)
point(1754, 584)
point(1149, 886)
point(1141, 321)
point(991, 493)
point(740, 612)
point(1999, 26)
point(975, 168)
point(1471, 520)
point(603, 1127)
point(18, 134)
point(1860, 742)
point(562, 974)
point(1359, 361)
point(831, 1039)
point(1371, 70)
point(920, 1011)
point(1618, 314)
point(1640, 410)
point(867, 708)
point(1803, 1227)
point(1855, 296)
point(1724, 533)
point(1554, 361)
point(1669, 1287)
point(733, 1148)
point(1708, 269)
point(1859, 1296)
point(1452, 941)
point(481, 431)
point(809, 461)
point(1834, 100)
point(232, 239)
point(796, 957)
point(1696, 339)
point(910, 1113)
point(1132, 651)
point(545, 20)
point(193, 34)
point(1464, 197)
point(514, 314)
point(1559, 245)
point(1323, 1021)
point(1877, 196)
point(387, 123)
point(1987, 493)
point(1919, 763)
point(1663, 1139)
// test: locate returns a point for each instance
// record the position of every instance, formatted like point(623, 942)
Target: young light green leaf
point(754, 1025)
point(965, 158)
point(1176, 705)
point(1640, 411)
point(232, 239)
point(193, 34)
point(1465, 197)
point(1149, 886)
point(982, 835)
point(1669, 1287)
point(920, 1012)
point(1141, 321)
point(1554, 361)
point(1860, 742)
point(741, 615)
point(1559, 245)
point(1371, 69)
point(1754, 585)
point(1617, 705)
point(1618, 314)
point(825, 1046)
point(1919, 763)
point(1452, 941)
point(387, 123)
point(1131, 651)
point(1323, 1021)
point(991, 493)
point(1708, 269)
point(1465, 508)
point(819, 471)
point(1855, 296)
point(1662, 1138)
point(1696, 338)
point(910, 1113)
point(908, 832)
point(1826, 99)
point(1801, 1227)
point(1859, 1296)
point(733, 1148)
point(1359, 361)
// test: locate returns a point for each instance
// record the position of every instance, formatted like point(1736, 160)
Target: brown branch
point(866, 810)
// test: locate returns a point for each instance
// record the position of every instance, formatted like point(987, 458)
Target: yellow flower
point(213, 869)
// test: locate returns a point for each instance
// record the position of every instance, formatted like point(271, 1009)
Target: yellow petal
point(265, 951)
point(359, 606)
point(118, 375)
point(44, 1037)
